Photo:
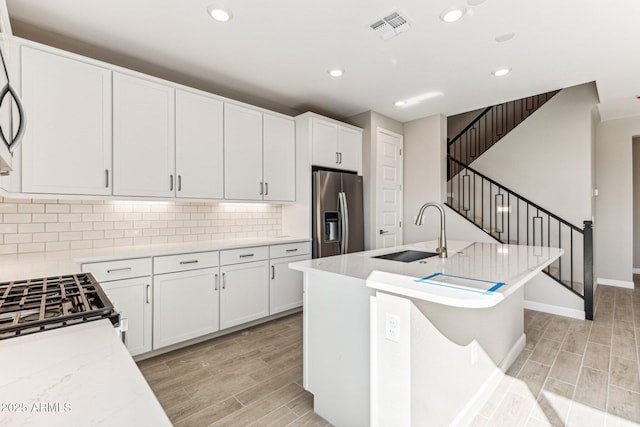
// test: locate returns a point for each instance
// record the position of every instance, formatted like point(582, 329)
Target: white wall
point(370, 121)
point(613, 228)
point(547, 158)
point(424, 175)
point(636, 202)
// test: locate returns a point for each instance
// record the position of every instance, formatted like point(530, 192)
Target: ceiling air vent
point(390, 26)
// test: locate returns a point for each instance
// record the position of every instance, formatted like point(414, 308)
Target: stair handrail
point(535, 205)
point(470, 125)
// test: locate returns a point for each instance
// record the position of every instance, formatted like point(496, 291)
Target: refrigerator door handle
point(344, 222)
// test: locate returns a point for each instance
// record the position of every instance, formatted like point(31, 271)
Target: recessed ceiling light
point(219, 13)
point(453, 14)
point(399, 103)
point(336, 72)
point(502, 71)
point(505, 37)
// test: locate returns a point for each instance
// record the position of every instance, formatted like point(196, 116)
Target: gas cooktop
point(36, 305)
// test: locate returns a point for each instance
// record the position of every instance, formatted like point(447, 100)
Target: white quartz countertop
point(505, 268)
point(79, 375)
point(44, 264)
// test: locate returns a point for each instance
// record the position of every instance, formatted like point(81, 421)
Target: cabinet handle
point(192, 261)
point(224, 281)
point(337, 158)
point(266, 188)
point(171, 182)
point(179, 182)
point(292, 250)
point(273, 272)
point(340, 157)
point(216, 282)
point(261, 188)
point(246, 255)
point(148, 294)
point(116, 270)
point(106, 178)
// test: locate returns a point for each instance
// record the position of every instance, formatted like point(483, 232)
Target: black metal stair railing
point(510, 218)
point(491, 125)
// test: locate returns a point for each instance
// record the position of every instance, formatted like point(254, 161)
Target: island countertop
point(498, 269)
point(79, 375)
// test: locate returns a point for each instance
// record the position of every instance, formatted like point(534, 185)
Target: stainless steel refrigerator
point(338, 217)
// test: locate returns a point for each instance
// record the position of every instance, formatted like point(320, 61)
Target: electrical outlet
point(392, 327)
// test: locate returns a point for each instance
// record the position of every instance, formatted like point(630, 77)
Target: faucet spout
point(442, 240)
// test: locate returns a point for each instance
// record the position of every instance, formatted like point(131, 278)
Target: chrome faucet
point(442, 240)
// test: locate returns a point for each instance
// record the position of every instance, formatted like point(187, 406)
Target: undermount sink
point(407, 256)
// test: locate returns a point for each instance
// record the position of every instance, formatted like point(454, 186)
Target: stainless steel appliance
point(36, 305)
point(338, 217)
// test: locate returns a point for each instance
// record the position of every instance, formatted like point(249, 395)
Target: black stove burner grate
point(36, 305)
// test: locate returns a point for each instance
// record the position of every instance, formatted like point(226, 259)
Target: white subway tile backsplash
point(55, 225)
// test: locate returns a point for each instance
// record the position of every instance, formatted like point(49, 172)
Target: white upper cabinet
point(143, 137)
point(199, 146)
point(336, 146)
point(279, 158)
point(242, 153)
point(350, 149)
point(67, 144)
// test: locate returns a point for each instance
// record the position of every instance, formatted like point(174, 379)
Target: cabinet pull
point(192, 261)
point(273, 272)
point(106, 178)
point(261, 188)
point(340, 157)
point(224, 281)
point(337, 158)
point(246, 255)
point(116, 270)
point(216, 282)
point(179, 182)
point(266, 188)
point(171, 182)
point(148, 294)
point(292, 250)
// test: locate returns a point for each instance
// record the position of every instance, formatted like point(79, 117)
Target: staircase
point(509, 217)
point(490, 126)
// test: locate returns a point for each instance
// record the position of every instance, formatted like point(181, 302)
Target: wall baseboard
point(617, 283)
point(554, 309)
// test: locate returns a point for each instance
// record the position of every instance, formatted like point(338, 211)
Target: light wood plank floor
point(571, 373)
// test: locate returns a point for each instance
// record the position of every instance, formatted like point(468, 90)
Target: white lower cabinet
point(185, 306)
point(244, 294)
point(132, 299)
point(285, 289)
point(128, 285)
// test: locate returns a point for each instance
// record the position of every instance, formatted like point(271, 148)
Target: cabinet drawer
point(116, 270)
point(183, 262)
point(289, 249)
point(236, 256)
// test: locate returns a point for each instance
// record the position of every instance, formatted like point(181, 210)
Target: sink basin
point(407, 256)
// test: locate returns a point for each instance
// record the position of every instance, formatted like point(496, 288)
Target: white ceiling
point(277, 52)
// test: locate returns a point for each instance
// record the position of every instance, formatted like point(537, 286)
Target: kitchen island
point(347, 359)
point(79, 375)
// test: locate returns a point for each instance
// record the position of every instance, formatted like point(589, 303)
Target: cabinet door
point(279, 158)
point(242, 153)
point(325, 143)
point(185, 305)
point(350, 149)
point(244, 295)
point(199, 146)
point(285, 288)
point(143, 137)
point(132, 299)
point(67, 144)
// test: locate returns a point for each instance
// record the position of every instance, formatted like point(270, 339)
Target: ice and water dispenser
point(331, 227)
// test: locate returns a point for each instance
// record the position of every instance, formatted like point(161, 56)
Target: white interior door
point(388, 189)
